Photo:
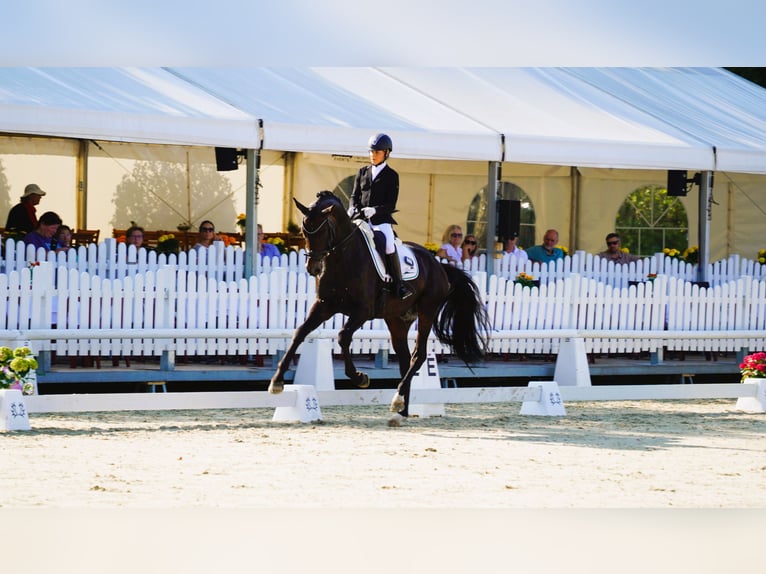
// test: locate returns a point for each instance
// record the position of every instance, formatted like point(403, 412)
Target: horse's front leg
point(360, 379)
point(318, 314)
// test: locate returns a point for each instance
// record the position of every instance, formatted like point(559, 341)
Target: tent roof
point(650, 118)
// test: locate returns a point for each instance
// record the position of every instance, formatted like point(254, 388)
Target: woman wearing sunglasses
point(451, 245)
point(469, 247)
point(206, 235)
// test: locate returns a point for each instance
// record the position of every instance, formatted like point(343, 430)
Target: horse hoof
point(396, 420)
point(397, 403)
point(276, 387)
point(363, 380)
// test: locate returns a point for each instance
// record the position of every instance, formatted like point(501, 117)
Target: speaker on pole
point(508, 218)
point(226, 159)
point(677, 180)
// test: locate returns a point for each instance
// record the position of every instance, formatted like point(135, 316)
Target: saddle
point(376, 245)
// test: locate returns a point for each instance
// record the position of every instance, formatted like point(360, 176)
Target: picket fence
point(257, 315)
point(113, 260)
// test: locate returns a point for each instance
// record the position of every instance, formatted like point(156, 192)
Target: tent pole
point(704, 209)
point(81, 201)
point(251, 212)
point(493, 182)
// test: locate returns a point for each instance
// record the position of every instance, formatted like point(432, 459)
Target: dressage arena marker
point(13, 411)
point(427, 377)
point(572, 363)
point(315, 365)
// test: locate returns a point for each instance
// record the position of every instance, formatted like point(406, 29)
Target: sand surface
point(640, 454)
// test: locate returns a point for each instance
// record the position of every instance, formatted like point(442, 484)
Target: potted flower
point(762, 256)
point(753, 366)
point(168, 244)
point(16, 368)
point(526, 280)
point(691, 255)
point(671, 252)
point(242, 222)
point(431, 246)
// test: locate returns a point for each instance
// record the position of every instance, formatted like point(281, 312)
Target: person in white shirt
point(451, 244)
point(514, 251)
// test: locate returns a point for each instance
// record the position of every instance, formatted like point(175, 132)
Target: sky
point(391, 33)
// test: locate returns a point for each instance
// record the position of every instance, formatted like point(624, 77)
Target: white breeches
point(388, 233)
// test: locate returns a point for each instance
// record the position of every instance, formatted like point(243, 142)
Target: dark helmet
point(381, 142)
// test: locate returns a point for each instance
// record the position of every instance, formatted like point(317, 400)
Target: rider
point(376, 189)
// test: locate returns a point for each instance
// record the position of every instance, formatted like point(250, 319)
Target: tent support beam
point(81, 195)
point(493, 183)
point(704, 208)
point(251, 212)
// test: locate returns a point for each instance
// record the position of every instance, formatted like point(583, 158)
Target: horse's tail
point(463, 323)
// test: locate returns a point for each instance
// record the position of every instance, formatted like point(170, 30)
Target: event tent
point(645, 118)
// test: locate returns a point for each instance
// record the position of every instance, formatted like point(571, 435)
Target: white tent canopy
point(647, 118)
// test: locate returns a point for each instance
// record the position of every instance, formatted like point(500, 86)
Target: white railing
point(75, 313)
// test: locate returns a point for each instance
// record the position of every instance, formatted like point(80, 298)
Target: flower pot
point(13, 411)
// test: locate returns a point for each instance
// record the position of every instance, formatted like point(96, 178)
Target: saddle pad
point(407, 260)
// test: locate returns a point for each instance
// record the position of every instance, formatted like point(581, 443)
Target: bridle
point(332, 246)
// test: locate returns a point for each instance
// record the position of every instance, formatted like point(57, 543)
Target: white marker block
point(757, 403)
point(305, 409)
point(550, 403)
point(427, 377)
point(572, 364)
point(13, 411)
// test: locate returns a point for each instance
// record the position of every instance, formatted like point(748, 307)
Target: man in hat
point(23, 215)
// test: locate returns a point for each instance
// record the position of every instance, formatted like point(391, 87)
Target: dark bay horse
point(445, 298)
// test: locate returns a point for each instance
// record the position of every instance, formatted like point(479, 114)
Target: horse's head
point(325, 226)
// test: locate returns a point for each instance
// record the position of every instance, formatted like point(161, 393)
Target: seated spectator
point(63, 238)
point(451, 241)
point(266, 249)
point(206, 235)
point(470, 247)
point(23, 216)
point(614, 250)
point(43, 234)
point(134, 236)
point(513, 251)
point(548, 251)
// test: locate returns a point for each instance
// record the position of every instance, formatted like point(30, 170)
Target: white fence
point(170, 309)
point(112, 260)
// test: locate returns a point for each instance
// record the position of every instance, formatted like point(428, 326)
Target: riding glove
point(351, 211)
point(368, 212)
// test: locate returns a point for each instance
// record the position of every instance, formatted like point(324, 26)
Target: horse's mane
point(324, 197)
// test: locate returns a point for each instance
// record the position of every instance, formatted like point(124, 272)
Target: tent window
point(649, 220)
point(476, 220)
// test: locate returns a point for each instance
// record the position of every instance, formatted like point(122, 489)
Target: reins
point(331, 248)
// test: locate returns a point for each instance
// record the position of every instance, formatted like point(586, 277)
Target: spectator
point(62, 240)
point(23, 216)
point(134, 236)
point(513, 251)
point(614, 250)
point(548, 251)
point(42, 236)
point(266, 249)
point(451, 240)
point(469, 247)
point(206, 235)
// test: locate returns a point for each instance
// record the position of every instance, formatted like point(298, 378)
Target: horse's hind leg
point(398, 329)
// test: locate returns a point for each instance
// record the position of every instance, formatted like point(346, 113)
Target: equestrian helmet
point(381, 142)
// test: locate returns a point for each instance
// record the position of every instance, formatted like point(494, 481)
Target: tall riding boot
point(401, 289)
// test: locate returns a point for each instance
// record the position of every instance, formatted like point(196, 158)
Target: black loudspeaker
point(226, 159)
point(508, 218)
point(677, 181)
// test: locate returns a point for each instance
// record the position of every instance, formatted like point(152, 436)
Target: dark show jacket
point(382, 193)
